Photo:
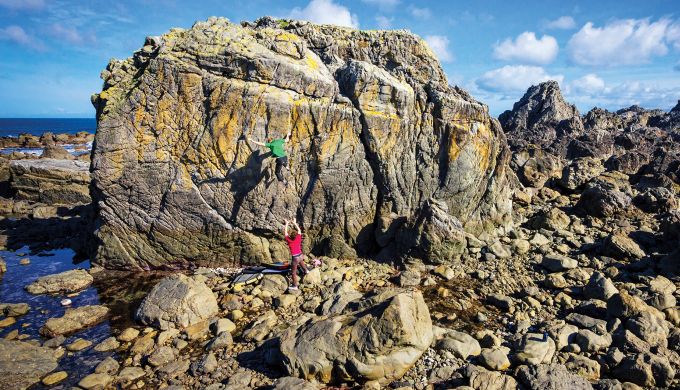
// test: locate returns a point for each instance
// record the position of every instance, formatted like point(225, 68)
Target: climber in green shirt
point(276, 147)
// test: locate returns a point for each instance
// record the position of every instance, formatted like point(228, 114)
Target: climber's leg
point(281, 163)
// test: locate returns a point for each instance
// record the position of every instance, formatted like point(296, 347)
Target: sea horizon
point(37, 126)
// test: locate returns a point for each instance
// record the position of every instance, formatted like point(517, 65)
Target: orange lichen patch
point(482, 143)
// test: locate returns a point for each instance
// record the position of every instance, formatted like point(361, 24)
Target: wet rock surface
point(22, 364)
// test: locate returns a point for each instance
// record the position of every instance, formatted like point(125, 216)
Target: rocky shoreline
point(578, 291)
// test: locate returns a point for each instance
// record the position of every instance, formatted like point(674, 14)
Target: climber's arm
point(256, 142)
point(297, 227)
point(285, 229)
point(288, 136)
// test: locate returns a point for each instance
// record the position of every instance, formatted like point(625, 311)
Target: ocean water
point(37, 126)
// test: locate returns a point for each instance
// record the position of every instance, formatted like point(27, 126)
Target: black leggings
point(281, 162)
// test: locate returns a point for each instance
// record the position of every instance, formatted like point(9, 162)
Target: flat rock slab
point(23, 364)
point(65, 282)
point(74, 320)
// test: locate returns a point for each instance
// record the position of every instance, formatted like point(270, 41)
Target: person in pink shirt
point(294, 240)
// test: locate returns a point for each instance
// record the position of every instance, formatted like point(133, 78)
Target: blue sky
point(604, 53)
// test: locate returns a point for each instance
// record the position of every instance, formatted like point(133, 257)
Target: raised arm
point(285, 229)
point(297, 227)
point(288, 135)
point(255, 142)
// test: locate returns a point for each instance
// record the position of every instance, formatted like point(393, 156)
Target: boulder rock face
point(22, 364)
point(376, 131)
point(51, 181)
point(177, 301)
point(376, 340)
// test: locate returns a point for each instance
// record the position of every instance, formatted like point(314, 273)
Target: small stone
point(460, 344)
point(5, 322)
point(224, 325)
point(54, 378)
point(284, 300)
point(128, 335)
point(557, 263)
point(14, 309)
point(444, 271)
point(25, 261)
point(107, 345)
point(535, 348)
point(95, 381)
point(495, 358)
point(161, 356)
point(129, 374)
point(78, 345)
point(107, 366)
point(235, 315)
point(222, 340)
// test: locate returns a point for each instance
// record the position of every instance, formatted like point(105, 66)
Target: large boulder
point(378, 339)
point(22, 364)
point(376, 131)
point(177, 301)
point(51, 181)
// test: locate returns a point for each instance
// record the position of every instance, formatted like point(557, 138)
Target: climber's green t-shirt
point(276, 147)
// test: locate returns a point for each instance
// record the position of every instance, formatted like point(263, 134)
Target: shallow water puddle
point(120, 293)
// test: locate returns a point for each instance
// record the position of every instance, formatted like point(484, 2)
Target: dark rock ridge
point(547, 134)
point(377, 132)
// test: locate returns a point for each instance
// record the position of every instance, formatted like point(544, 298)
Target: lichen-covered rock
point(177, 301)
point(378, 341)
point(376, 132)
point(51, 181)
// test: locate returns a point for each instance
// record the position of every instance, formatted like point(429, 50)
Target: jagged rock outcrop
point(542, 118)
point(376, 132)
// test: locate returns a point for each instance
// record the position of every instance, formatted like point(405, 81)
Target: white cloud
point(420, 13)
point(653, 94)
point(382, 3)
point(673, 35)
point(22, 4)
point(588, 84)
point(17, 35)
point(440, 46)
point(514, 78)
point(383, 21)
point(561, 23)
point(526, 48)
point(325, 12)
point(621, 42)
point(70, 34)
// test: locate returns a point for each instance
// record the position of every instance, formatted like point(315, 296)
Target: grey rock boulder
point(551, 377)
point(177, 301)
point(378, 342)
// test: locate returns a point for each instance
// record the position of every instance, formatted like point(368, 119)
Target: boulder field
point(385, 157)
